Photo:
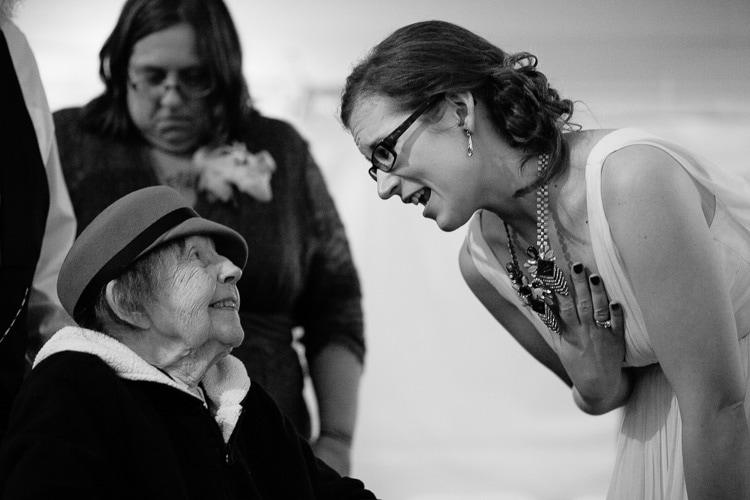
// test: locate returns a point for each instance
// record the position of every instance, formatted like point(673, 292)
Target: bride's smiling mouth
point(421, 197)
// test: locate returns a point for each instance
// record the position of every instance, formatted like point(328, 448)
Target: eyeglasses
point(191, 83)
point(383, 156)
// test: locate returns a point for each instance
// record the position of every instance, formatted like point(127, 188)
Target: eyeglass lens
point(193, 83)
point(383, 157)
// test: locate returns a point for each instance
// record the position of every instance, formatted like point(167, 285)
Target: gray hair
point(137, 285)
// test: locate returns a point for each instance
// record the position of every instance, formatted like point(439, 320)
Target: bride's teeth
point(419, 197)
point(422, 196)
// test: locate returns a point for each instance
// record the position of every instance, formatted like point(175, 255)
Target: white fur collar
point(225, 384)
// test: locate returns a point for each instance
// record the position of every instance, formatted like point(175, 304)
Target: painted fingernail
point(578, 268)
point(615, 306)
point(594, 279)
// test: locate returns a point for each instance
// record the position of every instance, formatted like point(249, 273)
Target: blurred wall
point(451, 407)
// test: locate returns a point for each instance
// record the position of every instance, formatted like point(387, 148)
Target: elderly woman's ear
point(135, 318)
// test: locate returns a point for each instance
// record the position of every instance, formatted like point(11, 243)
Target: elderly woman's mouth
point(224, 304)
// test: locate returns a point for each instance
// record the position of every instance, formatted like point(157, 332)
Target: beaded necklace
point(546, 277)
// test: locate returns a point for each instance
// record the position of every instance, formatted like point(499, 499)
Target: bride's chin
point(448, 221)
point(445, 225)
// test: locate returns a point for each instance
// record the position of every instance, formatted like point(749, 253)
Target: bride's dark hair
point(432, 58)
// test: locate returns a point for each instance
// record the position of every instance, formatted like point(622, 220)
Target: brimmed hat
point(125, 231)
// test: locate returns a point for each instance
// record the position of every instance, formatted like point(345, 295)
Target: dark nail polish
point(594, 280)
point(615, 306)
point(578, 268)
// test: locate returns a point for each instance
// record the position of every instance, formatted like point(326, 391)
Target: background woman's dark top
point(299, 270)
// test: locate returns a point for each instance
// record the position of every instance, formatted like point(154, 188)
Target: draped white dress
point(649, 451)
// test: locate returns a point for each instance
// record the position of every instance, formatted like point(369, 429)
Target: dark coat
point(23, 215)
point(79, 431)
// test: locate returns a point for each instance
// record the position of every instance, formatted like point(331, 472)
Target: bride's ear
point(463, 109)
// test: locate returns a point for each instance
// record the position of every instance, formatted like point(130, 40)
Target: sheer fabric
point(649, 453)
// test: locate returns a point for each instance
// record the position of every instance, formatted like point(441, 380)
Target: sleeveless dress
point(649, 451)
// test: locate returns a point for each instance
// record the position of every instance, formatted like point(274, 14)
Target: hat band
point(122, 259)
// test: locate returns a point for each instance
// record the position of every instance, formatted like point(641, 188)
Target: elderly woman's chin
point(222, 324)
point(228, 333)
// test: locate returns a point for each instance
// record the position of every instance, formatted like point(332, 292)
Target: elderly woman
point(144, 401)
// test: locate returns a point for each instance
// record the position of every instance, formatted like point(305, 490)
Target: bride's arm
point(658, 218)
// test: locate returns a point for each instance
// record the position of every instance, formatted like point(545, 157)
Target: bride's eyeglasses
point(383, 156)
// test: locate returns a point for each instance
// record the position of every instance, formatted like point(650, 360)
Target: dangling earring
point(470, 149)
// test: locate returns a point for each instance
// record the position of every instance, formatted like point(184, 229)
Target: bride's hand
point(592, 343)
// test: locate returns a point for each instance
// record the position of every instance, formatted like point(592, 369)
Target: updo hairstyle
point(432, 58)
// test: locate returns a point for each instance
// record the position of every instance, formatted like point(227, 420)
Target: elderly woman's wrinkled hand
point(592, 343)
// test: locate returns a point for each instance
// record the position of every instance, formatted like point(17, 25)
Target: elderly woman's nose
point(228, 272)
point(387, 184)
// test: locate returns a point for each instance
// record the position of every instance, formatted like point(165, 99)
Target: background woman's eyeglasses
point(191, 83)
point(383, 156)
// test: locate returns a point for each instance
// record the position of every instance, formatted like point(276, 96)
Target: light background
point(451, 407)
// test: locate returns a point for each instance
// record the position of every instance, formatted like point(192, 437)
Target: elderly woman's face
point(167, 88)
point(195, 308)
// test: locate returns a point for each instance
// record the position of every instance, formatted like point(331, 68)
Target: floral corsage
point(226, 168)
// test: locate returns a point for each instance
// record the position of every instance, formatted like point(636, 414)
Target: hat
point(128, 229)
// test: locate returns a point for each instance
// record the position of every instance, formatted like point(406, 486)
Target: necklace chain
point(546, 277)
point(542, 207)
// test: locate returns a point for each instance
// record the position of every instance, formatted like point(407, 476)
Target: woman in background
point(176, 111)
point(454, 124)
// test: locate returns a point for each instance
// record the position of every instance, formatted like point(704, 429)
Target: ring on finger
point(603, 324)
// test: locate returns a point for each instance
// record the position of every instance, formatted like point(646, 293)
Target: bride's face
point(431, 169)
